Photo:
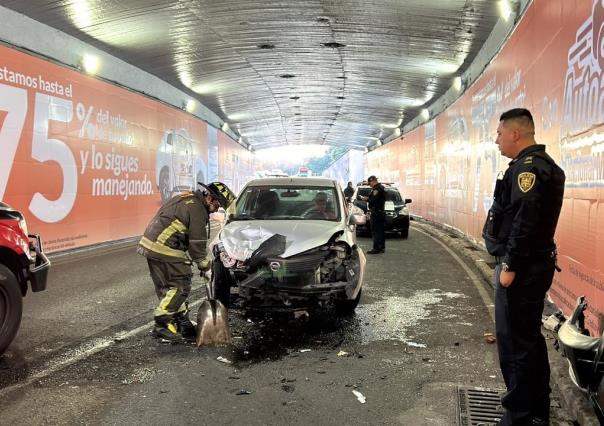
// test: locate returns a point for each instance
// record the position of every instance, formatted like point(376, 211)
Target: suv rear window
point(364, 191)
point(393, 195)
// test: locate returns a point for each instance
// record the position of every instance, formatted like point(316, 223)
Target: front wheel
point(165, 189)
point(11, 307)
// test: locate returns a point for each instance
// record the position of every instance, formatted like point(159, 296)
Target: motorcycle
point(585, 356)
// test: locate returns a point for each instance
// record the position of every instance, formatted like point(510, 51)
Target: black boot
point(166, 329)
point(185, 326)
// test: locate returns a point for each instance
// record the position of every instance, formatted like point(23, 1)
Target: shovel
point(212, 320)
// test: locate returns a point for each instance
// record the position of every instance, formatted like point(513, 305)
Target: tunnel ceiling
point(289, 71)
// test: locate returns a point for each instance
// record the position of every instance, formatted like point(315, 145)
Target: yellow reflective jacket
point(180, 226)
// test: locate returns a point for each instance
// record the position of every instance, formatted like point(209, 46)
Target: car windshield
point(287, 203)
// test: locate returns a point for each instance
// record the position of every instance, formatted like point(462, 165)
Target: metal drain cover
point(478, 406)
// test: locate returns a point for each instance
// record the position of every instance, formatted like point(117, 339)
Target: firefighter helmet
point(220, 192)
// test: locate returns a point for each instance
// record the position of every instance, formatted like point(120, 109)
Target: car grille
point(299, 264)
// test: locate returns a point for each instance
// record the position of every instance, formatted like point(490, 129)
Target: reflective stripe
point(162, 308)
point(175, 227)
point(161, 249)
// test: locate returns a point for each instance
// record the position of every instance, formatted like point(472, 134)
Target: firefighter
point(519, 232)
point(176, 238)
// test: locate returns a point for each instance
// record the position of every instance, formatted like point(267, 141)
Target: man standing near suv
point(375, 205)
point(519, 232)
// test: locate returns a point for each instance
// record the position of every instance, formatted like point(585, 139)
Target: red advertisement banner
point(553, 65)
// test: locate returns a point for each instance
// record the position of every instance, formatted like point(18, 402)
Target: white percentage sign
point(83, 117)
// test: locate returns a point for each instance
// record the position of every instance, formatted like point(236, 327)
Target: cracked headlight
point(227, 261)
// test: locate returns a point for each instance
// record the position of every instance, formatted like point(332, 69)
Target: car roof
point(284, 181)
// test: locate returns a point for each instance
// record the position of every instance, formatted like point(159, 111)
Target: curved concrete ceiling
point(290, 71)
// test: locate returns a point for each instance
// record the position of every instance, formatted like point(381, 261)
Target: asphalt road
point(84, 354)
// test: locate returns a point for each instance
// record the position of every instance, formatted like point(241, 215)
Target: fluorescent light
point(80, 13)
point(505, 9)
point(190, 105)
point(225, 126)
point(425, 114)
point(457, 83)
point(90, 63)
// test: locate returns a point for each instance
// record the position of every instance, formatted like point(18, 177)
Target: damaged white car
point(290, 245)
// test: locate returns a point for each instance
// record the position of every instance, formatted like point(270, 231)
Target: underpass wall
point(553, 65)
point(347, 168)
point(87, 161)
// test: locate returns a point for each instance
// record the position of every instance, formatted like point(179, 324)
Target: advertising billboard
point(553, 64)
point(87, 161)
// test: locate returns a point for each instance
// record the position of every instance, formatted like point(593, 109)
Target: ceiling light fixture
point(190, 105)
point(90, 63)
point(225, 127)
point(505, 9)
point(425, 114)
point(457, 83)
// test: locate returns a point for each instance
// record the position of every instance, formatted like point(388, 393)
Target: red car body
point(23, 264)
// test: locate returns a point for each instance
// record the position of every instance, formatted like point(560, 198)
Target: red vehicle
point(22, 261)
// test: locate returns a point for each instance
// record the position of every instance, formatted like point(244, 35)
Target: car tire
point(347, 307)
point(222, 283)
point(405, 233)
point(11, 307)
point(165, 191)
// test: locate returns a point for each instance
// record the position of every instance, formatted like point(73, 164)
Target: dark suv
point(22, 261)
point(397, 213)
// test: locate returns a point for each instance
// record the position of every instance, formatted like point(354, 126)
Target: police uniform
point(375, 203)
point(519, 232)
point(174, 239)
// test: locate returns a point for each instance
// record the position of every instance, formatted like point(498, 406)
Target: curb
point(575, 402)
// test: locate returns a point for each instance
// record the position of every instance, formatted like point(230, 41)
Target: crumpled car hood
point(240, 239)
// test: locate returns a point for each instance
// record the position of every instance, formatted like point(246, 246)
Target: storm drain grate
point(478, 406)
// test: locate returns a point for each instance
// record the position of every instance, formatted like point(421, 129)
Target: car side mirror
point(357, 216)
point(408, 200)
point(357, 219)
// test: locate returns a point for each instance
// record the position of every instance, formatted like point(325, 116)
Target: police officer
point(519, 232)
point(174, 239)
point(375, 204)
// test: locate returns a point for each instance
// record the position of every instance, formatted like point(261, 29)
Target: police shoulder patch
point(526, 181)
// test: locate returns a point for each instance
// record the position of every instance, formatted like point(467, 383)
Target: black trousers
point(172, 281)
point(521, 346)
point(378, 220)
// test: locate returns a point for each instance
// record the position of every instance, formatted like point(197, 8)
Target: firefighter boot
point(185, 326)
point(166, 329)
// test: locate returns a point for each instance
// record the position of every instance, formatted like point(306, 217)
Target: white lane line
point(478, 283)
point(79, 353)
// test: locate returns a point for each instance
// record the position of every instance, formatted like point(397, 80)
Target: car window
point(287, 203)
point(364, 191)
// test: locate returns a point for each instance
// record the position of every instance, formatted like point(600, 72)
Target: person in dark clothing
point(375, 206)
point(175, 239)
point(519, 232)
point(349, 192)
